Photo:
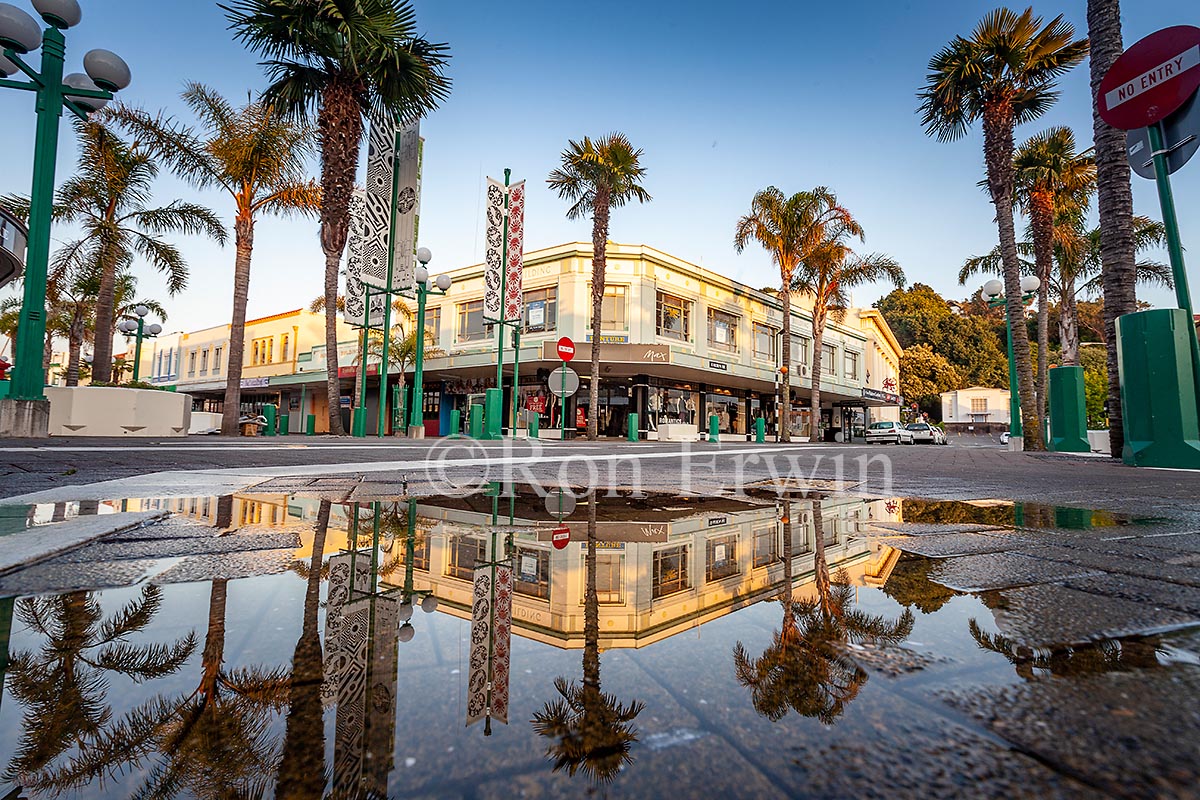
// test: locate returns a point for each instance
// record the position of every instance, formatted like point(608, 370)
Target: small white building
point(981, 409)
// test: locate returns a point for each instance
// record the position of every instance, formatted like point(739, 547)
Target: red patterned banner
point(502, 641)
point(516, 251)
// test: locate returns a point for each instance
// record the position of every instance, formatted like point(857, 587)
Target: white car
point(889, 433)
point(1004, 437)
point(924, 432)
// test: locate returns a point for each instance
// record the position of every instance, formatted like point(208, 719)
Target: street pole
point(516, 336)
point(562, 403)
point(137, 350)
point(358, 423)
point(417, 409)
point(1183, 297)
point(503, 292)
point(1015, 428)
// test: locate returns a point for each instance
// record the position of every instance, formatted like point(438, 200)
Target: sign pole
point(358, 425)
point(503, 292)
point(562, 402)
point(516, 338)
point(1166, 200)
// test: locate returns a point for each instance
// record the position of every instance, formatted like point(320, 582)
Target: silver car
point(889, 433)
point(926, 433)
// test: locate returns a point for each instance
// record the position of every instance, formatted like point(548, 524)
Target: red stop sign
point(566, 348)
point(561, 537)
point(1151, 79)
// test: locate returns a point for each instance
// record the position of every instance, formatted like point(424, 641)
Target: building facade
point(979, 409)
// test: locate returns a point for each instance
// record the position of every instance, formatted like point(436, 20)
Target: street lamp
point(429, 603)
point(416, 424)
point(993, 292)
point(20, 34)
point(137, 325)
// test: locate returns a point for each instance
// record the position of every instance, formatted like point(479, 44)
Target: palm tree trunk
point(599, 262)
point(416, 398)
point(591, 609)
point(1068, 326)
point(785, 590)
point(818, 356)
point(102, 349)
point(820, 565)
point(340, 128)
point(1115, 199)
point(1041, 217)
point(785, 401)
point(231, 411)
point(214, 640)
point(75, 346)
point(998, 152)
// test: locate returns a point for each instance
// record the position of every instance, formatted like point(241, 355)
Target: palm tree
point(588, 729)
point(805, 668)
point(790, 229)
point(826, 274)
point(596, 177)
point(341, 60)
point(1115, 197)
point(402, 349)
point(108, 197)
point(1003, 74)
point(254, 155)
point(1107, 655)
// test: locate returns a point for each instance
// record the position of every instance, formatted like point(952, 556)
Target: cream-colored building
point(981, 409)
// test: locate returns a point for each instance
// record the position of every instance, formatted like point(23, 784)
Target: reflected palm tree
point(805, 668)
point(589, 731)
point(298, 777)
point(1110, 655)
point(64, 687)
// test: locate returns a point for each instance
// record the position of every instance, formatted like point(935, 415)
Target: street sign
point(1151, 79)
point(560, 503)
point(1181, 131)
point(563, 382)
point(561, 537)
point(566, 349)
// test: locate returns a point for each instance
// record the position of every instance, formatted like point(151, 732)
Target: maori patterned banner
point(481, 632)
point(408, 206)
point(491, 639)
point(354, 291)
point(381, 166)
point(501, 642)
point(516, 251)
point(494, 252)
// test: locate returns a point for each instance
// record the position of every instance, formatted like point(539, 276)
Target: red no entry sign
point(566, 348)
point(1151, 79)
point(561, 537)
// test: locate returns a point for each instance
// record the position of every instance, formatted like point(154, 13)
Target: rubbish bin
point(833, 435)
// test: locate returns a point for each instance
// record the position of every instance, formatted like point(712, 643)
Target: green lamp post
point(137, 326)
point(993, 293)
point(416, 424)
point(28, 412)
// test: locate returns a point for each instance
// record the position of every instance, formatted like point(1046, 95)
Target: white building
point(981, 409)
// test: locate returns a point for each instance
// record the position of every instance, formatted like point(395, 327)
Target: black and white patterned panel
point(354, 291)
point(494, 250)
point(381, 158)
point(481, 631)
point(408, 206)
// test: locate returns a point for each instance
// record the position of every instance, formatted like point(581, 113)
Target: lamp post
point(137, 325)
point(993, 292)
point(81, 94)
point(416, 424)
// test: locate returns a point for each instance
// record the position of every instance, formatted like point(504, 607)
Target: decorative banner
point(354, 291)
point(491, 640)
point(494, 252)
point(516, 251)
point(381, 165)
point(408, 205)
point(501, 642)
point(481, 634)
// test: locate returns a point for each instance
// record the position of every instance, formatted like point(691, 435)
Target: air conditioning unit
point(804, 370)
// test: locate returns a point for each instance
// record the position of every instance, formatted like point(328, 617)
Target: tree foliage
point(924, 375)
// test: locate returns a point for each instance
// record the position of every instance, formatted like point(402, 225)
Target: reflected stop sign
point(561, 537)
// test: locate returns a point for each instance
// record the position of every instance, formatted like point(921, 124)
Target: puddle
point(489, 646)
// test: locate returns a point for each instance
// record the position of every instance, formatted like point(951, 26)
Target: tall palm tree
point(339, 60)
point(256, 156)
point(108, 198)
point(595, 177)
point(588, 729)
point(826, 274)
point(1050, 177)
point(1003, 74)
point(1115, 197)
point(790, 229)
point(805, 668)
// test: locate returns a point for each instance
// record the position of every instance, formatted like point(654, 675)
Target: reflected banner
point(491, 637)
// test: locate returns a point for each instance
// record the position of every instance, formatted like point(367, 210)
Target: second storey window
point(541, 309)
point(801, 351)
point(850, 365)
point(722, 330)
point(464, 552)
point(764, 342)
point(433, 323)
point(670, 573)
point(217, 353)
point(828, 359)
point(192, 364)
point(283, 347)
point(614, 314)
point(673, 317)
point(203, 362)
point(979, 405)
point(470, 321)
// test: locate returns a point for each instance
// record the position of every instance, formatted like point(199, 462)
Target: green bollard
point(475, 422)
point(310, 425)
point(533, 426)
point(760, 430)
point(455, 423)
point(1068, 411)
point(714, 428)
point(271, 412)
point(493, 414)
point(632, 433)
point(358, 422)
point(285, 422)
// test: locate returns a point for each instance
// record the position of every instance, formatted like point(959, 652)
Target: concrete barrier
point(1098, 441)
point(115, 411)
point(205, 422)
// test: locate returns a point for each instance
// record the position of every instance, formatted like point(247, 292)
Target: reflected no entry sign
point(1151, 79)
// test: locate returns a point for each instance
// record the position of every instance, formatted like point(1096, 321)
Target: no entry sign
point(566, 348)
point(561, 537)
point(1151, 79)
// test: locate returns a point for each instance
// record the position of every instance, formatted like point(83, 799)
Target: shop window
point(283, 347)
point(828, 359)
point(665, 406)
point(218, 353)
point(722, 330)
point(610, 577)
point(673, 315)
point(728, 411)
point(614, 310)
point(432, 403)
point(533, 572)
point(670, 571)
point(465, 552)
point(764, 342)
point(766, 546)
point(541, 309)
point(722, 558)
point(471, 326)
point(850, 365)
point(433, 323)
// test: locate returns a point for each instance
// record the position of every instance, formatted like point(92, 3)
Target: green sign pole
point(417, 410)
point(358, 422)
point(562, 402)
point(1015, 427)
point(387, 309)
point(516, 338)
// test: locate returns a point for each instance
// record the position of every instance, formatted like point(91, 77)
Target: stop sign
point(566, 348)
point(561, 537)
point(1151, 79)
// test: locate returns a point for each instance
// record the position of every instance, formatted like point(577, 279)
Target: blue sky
point(725, 100)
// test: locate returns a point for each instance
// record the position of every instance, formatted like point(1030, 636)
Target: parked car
point(1004, 438)
point(889, 433)
point(941, 434)
point(924, 432)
